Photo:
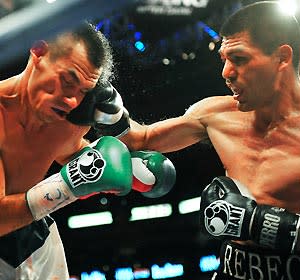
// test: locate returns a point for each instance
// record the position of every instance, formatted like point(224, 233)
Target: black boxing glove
point(102, 108)
point(225, 213)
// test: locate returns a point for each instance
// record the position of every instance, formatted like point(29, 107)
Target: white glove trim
point(105, 118)
point(141, 172)
point(296, 243)
point(48, 196)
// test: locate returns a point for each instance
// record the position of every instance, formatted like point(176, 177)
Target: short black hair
point(98, 49)
point(267, 26)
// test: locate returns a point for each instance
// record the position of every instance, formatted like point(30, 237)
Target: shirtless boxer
point(256, 132)
point(38, 128)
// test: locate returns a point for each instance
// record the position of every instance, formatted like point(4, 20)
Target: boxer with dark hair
point(256, 133)
point(45, 113)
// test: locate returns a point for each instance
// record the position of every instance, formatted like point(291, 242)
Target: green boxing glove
point(154, 175)
point(104, 166)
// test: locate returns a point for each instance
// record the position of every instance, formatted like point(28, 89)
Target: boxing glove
point(105, 167)
point(227, 214)
point(102, 108)
point(154, 175)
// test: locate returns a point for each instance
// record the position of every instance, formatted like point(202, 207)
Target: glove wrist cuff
point(252, 225)
point(48, 196)
point(106, 118)
point(276, 228)
point(296, 243)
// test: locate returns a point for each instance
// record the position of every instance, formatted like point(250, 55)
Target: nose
point(71, 101)
point(70, 97)
point(228, 72)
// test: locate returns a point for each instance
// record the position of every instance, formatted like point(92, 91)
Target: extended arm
point(168, 135)
point(103, 109)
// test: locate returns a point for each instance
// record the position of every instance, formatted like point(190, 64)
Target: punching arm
point(102, 108)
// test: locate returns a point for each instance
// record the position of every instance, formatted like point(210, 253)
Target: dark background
point(152, 91)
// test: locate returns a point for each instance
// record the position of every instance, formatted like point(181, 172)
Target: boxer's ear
point(285, 55)
point(39, 49)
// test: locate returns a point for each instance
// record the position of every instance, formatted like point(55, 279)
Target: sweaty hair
point(267, 26)
point(99, 51)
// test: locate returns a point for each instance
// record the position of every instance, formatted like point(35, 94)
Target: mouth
point(59, 112)
point(237, 93)
point(235, 90)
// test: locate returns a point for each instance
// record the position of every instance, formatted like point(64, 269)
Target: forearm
point(14, 213)
point(64, 159)
point(164, 135)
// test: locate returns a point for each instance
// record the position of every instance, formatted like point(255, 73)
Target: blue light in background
point(131, 26)
point(139, 45)
point(213, 34)
point(141, 273)
point(99, 25)
point(137, 35)
point(167, 271)
point(124, 273)
point(209, 263)
point(94, 275)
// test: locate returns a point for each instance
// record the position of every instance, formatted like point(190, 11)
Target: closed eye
point(66, 81)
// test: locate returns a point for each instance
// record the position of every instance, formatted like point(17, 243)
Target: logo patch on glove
point(87, 168)
point(222, 218)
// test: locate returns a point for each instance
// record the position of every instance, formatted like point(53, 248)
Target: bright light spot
point(192, 55)
point(139, 46)
point(166, 61)
point(50, 1)
point(89, 220)
point(141, 273)
point(209, 263)
point(94, 275)
point(150, 212)
point(288, 6)
point(125, 273)
point(211, 46)
point(189, 205)
point(184, 56)
point(167, 271)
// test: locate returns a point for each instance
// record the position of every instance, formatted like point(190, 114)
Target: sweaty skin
point(34, 131)
point(256, 132)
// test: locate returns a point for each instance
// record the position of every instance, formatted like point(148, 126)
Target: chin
point(243, 107)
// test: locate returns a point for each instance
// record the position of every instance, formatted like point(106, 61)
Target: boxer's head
point(267, 26)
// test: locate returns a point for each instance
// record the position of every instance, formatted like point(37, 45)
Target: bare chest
point(28, 156)
point(268, 164)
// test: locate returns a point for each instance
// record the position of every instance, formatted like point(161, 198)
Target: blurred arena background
point(166, 58)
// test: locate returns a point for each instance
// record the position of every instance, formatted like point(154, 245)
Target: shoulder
point(212, 105)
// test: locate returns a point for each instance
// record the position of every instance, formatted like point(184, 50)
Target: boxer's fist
point(154, 175)
point(102, 108)
point(105, 167)
point(227, 214)
point(224, 212)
